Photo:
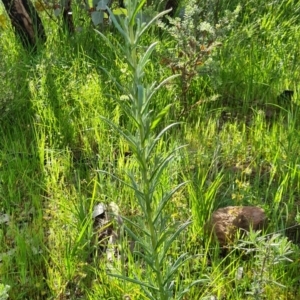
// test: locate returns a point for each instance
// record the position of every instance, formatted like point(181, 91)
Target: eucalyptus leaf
point(102, 4)
point(97, 17)
point(57, 12)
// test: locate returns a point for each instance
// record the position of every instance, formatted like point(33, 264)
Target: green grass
point(53, 144)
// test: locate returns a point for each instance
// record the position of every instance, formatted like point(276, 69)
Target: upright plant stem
point(145, 184)
point(142, 139)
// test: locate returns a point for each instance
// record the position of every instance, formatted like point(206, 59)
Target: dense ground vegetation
point(241, 132)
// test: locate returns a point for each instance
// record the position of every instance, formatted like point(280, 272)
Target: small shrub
point(195, 34)
point(4, 291)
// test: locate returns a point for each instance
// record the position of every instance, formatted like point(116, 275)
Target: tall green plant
point(154, 233)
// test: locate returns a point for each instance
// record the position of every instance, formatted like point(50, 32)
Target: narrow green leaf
point(115, 177)
point(150, 263)
point(140, 96)
point(159, 116)
point(158, 137)
point(178, 263)
point(115, 81)
point(146, 26)
point(137, 9)
point(165, 199)
point(171, 239)
point(145, 58)
point(163, 237)
point(148, 294)
point(126, 135)
point(117, 25)
point(165, 81)
point(141, 283)
point(187, 289)
point(156, 174)
point(141, 228)
point(160, 166)
point(139, 194)
point(107, 41)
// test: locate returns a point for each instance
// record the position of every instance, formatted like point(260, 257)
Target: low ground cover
point(242, 148)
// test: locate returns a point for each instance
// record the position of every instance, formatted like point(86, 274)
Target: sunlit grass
point(53, 143)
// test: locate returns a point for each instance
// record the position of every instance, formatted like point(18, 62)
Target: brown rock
point(227, 222)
